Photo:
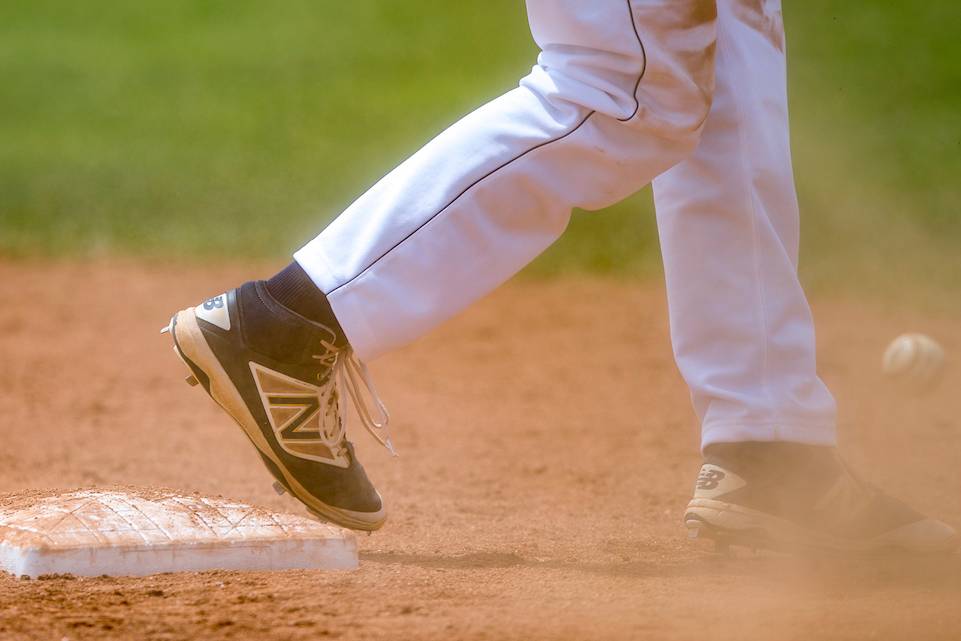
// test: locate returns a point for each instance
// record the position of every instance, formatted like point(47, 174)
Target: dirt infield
point(547, 452)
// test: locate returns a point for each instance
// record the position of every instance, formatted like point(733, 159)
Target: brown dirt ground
point(547, 452)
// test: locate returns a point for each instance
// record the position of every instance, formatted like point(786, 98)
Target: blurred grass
point(876, 97)
point(238, 129)
point(225, 128)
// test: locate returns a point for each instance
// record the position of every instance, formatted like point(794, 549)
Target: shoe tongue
point(856, 509)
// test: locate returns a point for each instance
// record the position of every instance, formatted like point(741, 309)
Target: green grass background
point(208, 128)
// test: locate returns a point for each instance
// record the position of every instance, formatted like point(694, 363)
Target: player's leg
point(619, 94)
point(741, 327)
point(727, 217)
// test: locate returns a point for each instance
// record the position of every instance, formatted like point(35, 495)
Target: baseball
point(916, 359)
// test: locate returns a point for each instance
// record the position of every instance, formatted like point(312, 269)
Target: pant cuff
point(809, 433)
point(350, 314)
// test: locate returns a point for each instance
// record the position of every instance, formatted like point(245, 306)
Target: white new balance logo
point(714, 481)
point(709, 478)
point(304, 417)
point(214, 310)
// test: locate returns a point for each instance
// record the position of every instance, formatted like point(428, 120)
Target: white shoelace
point(351, 372)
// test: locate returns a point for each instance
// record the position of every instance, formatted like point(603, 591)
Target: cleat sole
point(758, 531)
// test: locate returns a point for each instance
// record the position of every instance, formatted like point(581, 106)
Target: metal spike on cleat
point(191, 380)
point(279, 488)
point(169, 327)
point(693, 533)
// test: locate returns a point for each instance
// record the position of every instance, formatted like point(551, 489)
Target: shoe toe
point(925, 536)
point(364, 500)
point(370, 516)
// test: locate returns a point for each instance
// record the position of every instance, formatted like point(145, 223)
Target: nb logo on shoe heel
point(713, 481)
point(214, 311)
point(709, 479)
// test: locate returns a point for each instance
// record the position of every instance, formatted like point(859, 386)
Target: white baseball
point(916, 359)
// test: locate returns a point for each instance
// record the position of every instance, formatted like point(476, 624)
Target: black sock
point(772, 458)
point(293, 288)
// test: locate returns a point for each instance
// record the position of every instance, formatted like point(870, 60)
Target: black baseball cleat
point(281, 376)
point(799, 498)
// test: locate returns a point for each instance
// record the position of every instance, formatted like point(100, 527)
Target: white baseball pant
point(688, 93)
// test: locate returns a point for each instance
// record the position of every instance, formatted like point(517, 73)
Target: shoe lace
point(351, 373)
point(850, 498)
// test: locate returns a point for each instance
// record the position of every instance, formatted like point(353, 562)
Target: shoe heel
point(197, 376)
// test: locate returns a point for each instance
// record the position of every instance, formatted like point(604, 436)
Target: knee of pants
point(676, 90)
point(651, 68)
point(680, 128)
point(573, 78)
point(658, 96)
point(596, 51)
point(619, 156)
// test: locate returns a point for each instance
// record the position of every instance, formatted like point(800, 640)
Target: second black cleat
point(803, 498)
